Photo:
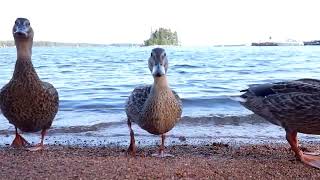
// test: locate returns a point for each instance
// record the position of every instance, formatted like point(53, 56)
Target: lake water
point(94, 83)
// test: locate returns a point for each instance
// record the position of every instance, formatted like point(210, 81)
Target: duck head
point(158, 62)
point(22, 29)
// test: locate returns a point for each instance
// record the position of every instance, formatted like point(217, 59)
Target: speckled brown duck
point(27, 102)
point(294, 105)
point(155, 108)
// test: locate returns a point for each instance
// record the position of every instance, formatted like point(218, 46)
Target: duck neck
point(160, 86)
point(158, 98)
point(24, 68)
point(24, 49)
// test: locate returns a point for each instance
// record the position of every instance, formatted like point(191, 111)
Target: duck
point(28, 103)
point(293, 105)
point(155, 108)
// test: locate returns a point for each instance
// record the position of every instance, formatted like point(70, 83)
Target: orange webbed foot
point(37, 147)
point(311, 160)
point(19, 142)
point(162, 155)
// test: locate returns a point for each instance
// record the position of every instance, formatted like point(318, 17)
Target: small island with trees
point(162, 36)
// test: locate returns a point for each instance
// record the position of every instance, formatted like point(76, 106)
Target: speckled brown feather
point(155, 114)
point(294, 105)
point(300, 85)
point(27, 102)
point(135, 102)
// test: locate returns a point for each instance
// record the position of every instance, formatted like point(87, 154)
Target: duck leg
point(311, 160)
point(40, 145)
point(132, 146)
point(19, 141)
point(161, 153)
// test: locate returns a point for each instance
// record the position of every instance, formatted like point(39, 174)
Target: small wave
point(82, 129)
point(223, 120)
point(94, 106)
point(98, 108)
point(80, 105)
point(66, 71)
point(65, 66)
point(75, 129)
point(185, 66)
point(207, 102)
point(207, 121)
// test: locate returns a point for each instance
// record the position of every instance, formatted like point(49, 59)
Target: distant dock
point(312, 43)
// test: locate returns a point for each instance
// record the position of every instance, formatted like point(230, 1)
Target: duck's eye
point(151, 54)
point(164, 54)
point(16, 22)
point(28, 23)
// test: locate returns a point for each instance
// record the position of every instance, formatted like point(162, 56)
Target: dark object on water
point(294, 105)
point(312, 43)
point(27, 102)
point(264, 44)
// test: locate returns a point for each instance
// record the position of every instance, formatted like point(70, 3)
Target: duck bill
point(21, 31)
point(158, 70)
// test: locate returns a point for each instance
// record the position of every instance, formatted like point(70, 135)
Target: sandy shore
point(218, 161)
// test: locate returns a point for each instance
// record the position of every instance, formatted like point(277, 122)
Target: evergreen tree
point(162, 36)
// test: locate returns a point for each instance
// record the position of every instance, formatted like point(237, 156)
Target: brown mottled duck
point(293, 105)
point(155, 108)
point(27, 102)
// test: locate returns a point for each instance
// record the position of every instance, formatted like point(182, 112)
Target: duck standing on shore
point(294, 105)
point(155, 108)
point(27, 102)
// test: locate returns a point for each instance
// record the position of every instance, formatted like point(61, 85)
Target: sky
point(197, 22)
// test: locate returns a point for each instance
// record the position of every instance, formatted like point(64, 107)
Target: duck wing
point(308, 86)
point(298, 111)
point(177, 98)
point(50, 89)
point(315, 82)
point(50, 104)
point(292, 104)
point(136, 100)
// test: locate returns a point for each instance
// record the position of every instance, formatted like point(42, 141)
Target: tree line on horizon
point(58, 44)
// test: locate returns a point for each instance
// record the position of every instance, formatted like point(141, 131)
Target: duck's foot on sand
point(19, 142)
point(316, 153)
point(131, 152)
point(312, 160)
point(162, 155)
point(37, 147)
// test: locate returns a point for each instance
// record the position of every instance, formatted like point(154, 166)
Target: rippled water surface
point(93, 83)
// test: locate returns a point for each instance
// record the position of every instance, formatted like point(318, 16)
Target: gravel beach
point(210, 161)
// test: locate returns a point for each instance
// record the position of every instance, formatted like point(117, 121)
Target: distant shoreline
point(4, 44)
point(287, 43)
point(61, 44)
